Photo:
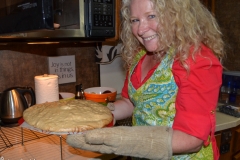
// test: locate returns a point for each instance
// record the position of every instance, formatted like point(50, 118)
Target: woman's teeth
point(149, 38)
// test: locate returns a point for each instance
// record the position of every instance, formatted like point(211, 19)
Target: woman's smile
point(150, 37)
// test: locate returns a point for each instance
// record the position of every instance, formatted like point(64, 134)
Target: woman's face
point(144, 24)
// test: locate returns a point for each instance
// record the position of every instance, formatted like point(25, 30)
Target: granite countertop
point(224, 121)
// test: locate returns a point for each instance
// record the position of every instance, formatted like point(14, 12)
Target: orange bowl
point(100, 94)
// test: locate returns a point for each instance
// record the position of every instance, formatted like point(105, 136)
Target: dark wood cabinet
point(218, 139)
point(236, 156)
point(210, 4)
point(117, 23)
point(228, 142)
point(237, 139)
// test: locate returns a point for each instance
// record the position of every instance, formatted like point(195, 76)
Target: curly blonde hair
point(184, 24)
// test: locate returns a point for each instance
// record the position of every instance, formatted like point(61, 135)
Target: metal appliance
point(56, 20)
point(14, 102)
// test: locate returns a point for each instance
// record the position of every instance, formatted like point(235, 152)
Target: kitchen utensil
point(100, 94)
point(14, 101)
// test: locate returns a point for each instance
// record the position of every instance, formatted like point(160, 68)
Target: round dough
point(68, 116)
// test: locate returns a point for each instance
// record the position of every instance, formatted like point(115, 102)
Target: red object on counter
point(20, 121)
point(111, 123)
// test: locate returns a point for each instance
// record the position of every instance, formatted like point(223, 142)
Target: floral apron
point(154, 101)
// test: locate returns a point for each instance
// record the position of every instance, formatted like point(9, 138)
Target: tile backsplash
point(19, 63)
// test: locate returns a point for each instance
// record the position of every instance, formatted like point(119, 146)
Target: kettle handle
point(24, 90)
point(32, 93)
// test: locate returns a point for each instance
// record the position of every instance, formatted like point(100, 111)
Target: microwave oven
point(56, 19)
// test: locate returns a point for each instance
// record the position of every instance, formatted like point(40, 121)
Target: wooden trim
point(236, 147)
point(210, 4)
point(213, 6)
point(117, 23)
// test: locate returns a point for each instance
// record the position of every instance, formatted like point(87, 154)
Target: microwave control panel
point(101, 18)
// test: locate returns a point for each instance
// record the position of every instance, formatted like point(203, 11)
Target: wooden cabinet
point(117, 23)
point(228, 142)
point(210, 4)
point(236, 147)
point(218, 139)
point(236, 156)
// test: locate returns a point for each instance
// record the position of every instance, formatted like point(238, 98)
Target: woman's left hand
point(152, 142)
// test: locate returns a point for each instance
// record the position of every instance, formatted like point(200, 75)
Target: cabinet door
point(218, 139)
point(236, 146)
point(210, 4)
point(117, 23)
point(226, 145)
point(236, 157)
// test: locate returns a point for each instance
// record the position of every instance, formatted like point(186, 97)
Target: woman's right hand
point(123, 108)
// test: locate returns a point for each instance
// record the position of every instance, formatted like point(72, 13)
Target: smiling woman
point(145, 24)
point(172, 50)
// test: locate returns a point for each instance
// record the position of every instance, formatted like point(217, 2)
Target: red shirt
point(197, 93)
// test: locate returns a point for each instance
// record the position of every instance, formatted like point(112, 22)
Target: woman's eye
point(151, 16)
point(134, 20)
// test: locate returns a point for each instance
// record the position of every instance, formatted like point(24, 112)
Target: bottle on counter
point(233, 96)
point(234, 91)
point(79, 92)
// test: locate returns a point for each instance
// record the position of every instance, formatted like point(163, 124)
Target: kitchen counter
point(227, 135)
point(224, 121)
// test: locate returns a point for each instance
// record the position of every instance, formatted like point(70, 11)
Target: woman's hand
point(123, 108)
point(152, 142)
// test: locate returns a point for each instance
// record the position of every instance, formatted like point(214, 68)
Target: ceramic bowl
point(67, 95)
point(100, 94)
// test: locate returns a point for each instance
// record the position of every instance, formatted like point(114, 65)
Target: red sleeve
point(197, 94)
point(125, 88)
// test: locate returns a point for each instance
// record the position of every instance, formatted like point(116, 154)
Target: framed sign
point(64, 67)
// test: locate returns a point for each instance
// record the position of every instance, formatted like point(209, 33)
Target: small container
point(233, 96)
point(100, 94)
point(79, 92)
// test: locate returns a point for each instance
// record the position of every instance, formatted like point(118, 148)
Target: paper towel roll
point(46, 88)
